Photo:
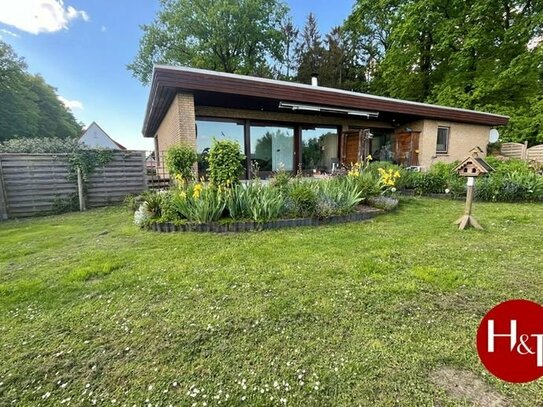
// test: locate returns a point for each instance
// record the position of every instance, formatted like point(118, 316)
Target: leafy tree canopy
point(239, 36)
point(483, 55)
point(29, 107)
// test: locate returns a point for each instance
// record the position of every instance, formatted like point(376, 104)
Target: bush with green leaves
point(508, 166)
point(40, 145)
point(265, 203)
point(78, 155)
point(338, 196)
point(225, 160)
point(238, 201)
point(512, 187)
point(280, 179)
point(198, 203)
point(154, 201)
point(301, 199)
point(367, 183)
point(180, 161)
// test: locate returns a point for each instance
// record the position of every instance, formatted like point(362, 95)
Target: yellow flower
point(397, 174)
point(369, 157)
point(197, 191)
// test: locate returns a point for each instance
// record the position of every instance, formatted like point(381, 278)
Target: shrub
point(456, 186)
point(180, 160)
point(40, 145)
point(264, 203)
point(367, 184)
point(430, 183)
point(198, 203)
point(280, 179)
point(153, 203)
point(302, 199)
point(238, 202)
point(338, 196)
point(508, 166)
point(225, 159)
point(512, 187)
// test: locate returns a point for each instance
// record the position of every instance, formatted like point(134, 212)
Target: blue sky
point(82, 47)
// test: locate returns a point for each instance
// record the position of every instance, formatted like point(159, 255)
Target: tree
point(339, 68)
point(309, 51)
point(478, 55)
point(237, 36)
point(29, 107)
point(290, 34)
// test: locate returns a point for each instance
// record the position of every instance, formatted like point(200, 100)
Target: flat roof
point(168, 80)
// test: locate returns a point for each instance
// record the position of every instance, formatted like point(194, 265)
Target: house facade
point(95, 137)
point(304, 127)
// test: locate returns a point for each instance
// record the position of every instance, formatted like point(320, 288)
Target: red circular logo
point(510, 341)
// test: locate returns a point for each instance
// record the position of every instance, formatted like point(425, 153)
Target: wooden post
point(524, 153)
point(467, 220)
point(3, 195)
point(80, 190)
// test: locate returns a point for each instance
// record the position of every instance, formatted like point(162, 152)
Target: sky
point(82, 47)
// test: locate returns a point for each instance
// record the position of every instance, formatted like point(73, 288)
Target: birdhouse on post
point(471, 167)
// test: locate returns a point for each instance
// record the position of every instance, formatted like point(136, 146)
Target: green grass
point(357, 314)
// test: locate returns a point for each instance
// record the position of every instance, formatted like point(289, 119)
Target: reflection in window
point(319, 149)
point(207, 130)
point(272, 147)
point(380, 145)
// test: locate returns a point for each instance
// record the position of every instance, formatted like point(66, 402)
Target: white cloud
point(103, 29)
point(39, 16)
point(8, 32)
point(71, 104)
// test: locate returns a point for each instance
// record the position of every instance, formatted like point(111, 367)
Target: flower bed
point(224, 204)
point(362, 213)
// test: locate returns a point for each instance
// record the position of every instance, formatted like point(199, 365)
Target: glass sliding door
point(272, 147)
point(208, 129)
point(319, 149)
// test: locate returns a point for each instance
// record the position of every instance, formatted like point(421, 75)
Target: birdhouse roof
point(481, 164)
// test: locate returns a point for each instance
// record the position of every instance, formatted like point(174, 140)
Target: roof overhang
point(168, 80)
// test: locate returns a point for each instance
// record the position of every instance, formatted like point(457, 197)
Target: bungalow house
point(306, 127)
point(95, 137)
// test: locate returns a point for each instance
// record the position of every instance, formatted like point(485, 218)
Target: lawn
point(95, 311)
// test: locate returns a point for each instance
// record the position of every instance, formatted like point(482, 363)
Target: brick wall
point(178, 125)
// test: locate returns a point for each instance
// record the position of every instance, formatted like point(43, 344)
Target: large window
point(272, 147)
point(207, 130)
point(442, 140)
point(319, 148)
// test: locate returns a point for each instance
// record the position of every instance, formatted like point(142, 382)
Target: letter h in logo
point(491, 335)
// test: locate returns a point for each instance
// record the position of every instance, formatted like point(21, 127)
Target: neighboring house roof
point(206, 85)
point(95, 136)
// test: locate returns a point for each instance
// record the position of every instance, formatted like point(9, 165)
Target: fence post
point(80, 190)
point(3, 195)
point(524, 155)
point(144, 165)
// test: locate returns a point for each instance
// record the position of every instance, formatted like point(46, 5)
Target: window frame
point(448, 135)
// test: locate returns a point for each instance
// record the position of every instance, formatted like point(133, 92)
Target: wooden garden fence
point(521, 151)
point(34, 184)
